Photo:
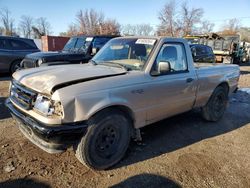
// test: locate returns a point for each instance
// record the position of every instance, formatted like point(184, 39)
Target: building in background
point(53, 43)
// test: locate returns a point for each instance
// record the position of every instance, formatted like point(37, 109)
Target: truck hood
point(38, 55)
point(48, 79)
point(51, 56)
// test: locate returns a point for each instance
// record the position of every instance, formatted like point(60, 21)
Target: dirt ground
point(183, 151)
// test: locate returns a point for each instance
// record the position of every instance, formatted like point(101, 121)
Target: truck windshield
point(70, 44)
point(131, 53)
point(78, 45)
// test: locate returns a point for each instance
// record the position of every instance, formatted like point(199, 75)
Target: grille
point(29, 63)
point(22, 96)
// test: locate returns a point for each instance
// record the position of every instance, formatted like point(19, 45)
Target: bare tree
point(72, 30)
point(144, 29)
point(245, 34)
point(232, 26)
point(190, 17)
point(178, 23)
point(89, 21)
point(7, 21)
point(43, 25)
point(110, 27)
point(25, 26)
point(206, 27)
point(1, 30)
point(168, 18)
point(92, 22)
point(139, 29)
point(129, 30)
point(37, 33)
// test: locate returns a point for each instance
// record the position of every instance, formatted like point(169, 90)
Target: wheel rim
point(16, 67)
point(219, 104)
point(107, 142)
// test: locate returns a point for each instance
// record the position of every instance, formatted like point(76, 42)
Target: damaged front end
point(23, 103)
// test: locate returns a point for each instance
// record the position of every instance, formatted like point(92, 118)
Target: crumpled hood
point(44, 79)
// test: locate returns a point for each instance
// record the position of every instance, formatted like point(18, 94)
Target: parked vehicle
point(202, 53)
point(79, 49)
point(223, 46)
point(130, 83)
point(13, 50)
point(246, 52)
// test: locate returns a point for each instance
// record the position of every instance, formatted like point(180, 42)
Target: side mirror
point(94, 51)
point(164, 67)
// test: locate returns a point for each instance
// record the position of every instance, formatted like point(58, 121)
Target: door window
point(209, 50)
point(174, 53)
point(19, 45)
point(200, 50)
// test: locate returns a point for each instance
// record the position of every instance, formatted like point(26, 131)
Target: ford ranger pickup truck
point(97, 108)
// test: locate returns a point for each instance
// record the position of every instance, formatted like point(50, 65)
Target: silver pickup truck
point(99, 107)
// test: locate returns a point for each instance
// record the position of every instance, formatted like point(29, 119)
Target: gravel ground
point(183, 151)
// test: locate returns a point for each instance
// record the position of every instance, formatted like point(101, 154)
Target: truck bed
point(210, 74)
point(202, 65)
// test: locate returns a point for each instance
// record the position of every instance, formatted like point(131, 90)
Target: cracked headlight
point(48, 107)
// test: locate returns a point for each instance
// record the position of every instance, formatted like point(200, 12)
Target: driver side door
point(173, 92)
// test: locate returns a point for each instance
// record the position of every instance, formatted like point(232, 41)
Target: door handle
point(189, 80)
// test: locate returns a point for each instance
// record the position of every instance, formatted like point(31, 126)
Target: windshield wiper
point(93, 62)
point(110, 63)
point(107, 63)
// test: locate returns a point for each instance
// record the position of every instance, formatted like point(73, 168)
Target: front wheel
point(15, 66)
point(216, 106)
point(106, 140)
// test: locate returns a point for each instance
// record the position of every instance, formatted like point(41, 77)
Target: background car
point(79, 49)
point(202, 53)
point(13, 50)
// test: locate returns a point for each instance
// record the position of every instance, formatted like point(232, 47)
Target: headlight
point(39, 62)
point(48, 107)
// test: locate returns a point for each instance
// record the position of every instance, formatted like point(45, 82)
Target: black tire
point(15, 66)
point(216, 105)
point(106, 140)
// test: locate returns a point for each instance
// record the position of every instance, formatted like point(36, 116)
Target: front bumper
point(51, 138)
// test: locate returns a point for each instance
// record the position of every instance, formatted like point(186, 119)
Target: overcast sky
point(60, 13)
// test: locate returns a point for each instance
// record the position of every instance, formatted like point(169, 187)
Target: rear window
point(100, 41)
point(200, 50)
point(21, 45)
point(209, 50)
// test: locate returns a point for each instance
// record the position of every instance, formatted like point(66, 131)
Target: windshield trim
point(150, 54)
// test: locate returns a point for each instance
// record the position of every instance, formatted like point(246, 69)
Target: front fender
point(82, 107)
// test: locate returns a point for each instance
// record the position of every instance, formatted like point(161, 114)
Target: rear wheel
point(106, 140)
point(15, 66)
point(216, 106)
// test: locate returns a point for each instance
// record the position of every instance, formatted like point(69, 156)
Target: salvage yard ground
point(183, 151)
